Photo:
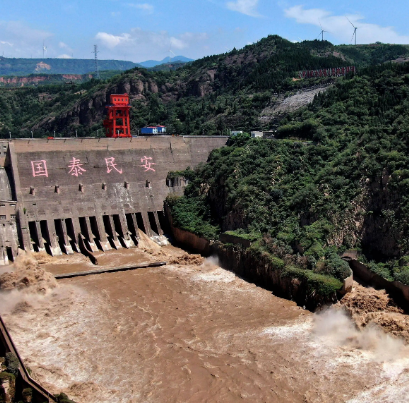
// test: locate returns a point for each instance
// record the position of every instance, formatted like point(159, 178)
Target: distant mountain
point(24, 67)
point(152, 63)
point(42, 79)
point(242, 89)
point(168, 66)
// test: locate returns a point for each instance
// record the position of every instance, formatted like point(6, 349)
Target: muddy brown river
point(194, 332)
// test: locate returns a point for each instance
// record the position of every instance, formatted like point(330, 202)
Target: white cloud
point(340, 28)
point(63, 45)
point(247, 7)
point(176, 43)
point(21, 39)
point(140, 45)
point(112, 41)
point(64, 56)
point(147, 8)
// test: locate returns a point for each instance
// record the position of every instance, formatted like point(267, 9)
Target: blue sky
point(149, 29)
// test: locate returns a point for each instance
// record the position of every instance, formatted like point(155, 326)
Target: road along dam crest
point(61, 193)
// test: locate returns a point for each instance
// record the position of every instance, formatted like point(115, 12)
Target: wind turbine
point(322, 33)
point(355, 28)
point(44, 49)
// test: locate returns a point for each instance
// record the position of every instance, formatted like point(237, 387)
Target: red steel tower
point(117, 122)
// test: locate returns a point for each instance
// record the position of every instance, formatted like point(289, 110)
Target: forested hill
point(307, 202)
point(208, 96)
point(24, 67)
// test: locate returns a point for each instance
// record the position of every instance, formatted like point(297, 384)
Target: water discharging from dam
point(194, 332)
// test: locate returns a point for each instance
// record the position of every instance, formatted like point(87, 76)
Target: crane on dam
point(117, 123)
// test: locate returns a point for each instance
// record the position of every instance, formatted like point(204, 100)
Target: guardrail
point(108, 270)
point(9, 345)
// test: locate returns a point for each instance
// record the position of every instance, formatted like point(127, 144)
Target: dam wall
point(8, 210)
point(101, 190)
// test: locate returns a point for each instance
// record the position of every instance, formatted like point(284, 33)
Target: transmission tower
point(95, 52)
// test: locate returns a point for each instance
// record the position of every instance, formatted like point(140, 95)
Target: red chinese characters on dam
point(147, 164)
point(39, 168)
point(111, 165)
point(76, 167)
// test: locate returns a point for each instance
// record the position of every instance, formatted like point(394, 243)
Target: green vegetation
point(35, 80)
point(168, 66)
point(24, 108)
point(240, 233)
point(374, 54)
point(12, 364)
point(309, 202)
point(316, 281)
point(208, 96)
point(193, 216)
point(7, 375)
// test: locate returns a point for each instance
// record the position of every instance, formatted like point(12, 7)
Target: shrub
point(381, 269)
point(316, 283)
point(12, 363)
point(7, 375)
point(402, 275)
point(277, 263)
point(240, 233)
point(316, 250)
point(337, 267)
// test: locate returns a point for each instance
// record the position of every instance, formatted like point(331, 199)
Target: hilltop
point(236, 90)
point(24, 67)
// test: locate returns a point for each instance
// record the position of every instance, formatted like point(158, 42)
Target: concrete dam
point(60, 193)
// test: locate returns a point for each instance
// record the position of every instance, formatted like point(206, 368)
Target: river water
point(194, 332)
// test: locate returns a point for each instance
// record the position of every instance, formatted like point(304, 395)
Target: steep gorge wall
point(259, 269)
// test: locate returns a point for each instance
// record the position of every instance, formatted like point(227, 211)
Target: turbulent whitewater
point(194, 332)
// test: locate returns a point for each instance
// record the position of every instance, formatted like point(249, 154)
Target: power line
point(95, 52)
